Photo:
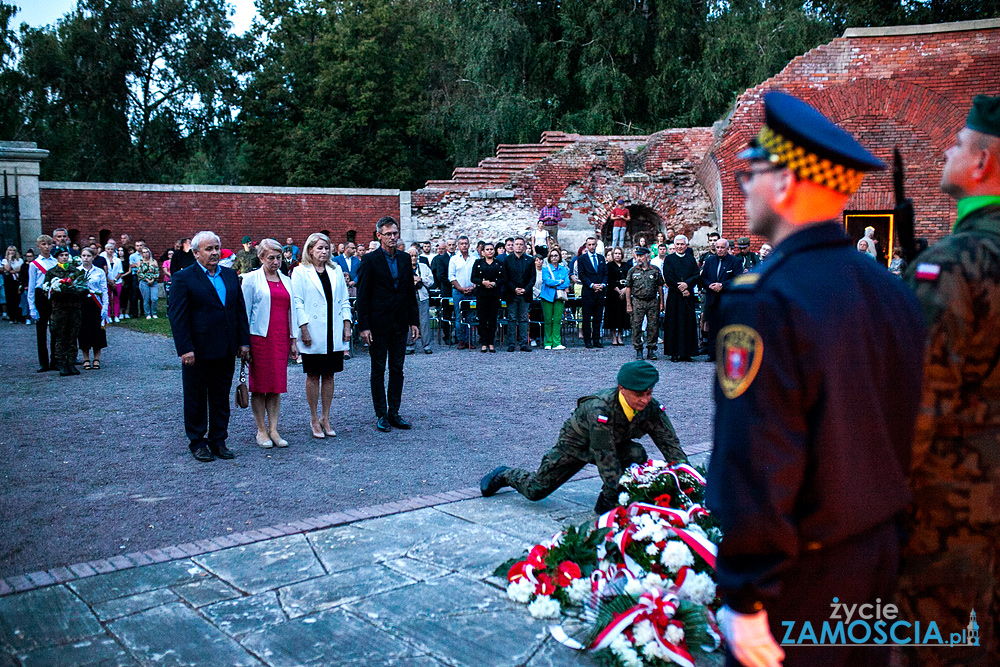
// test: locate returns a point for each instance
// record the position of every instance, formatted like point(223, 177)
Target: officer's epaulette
point(745, 280)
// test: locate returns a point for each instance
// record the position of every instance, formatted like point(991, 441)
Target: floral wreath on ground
point(641, 579)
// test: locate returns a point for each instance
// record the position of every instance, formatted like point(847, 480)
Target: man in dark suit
point(593, 273)
point(717, 272)
point(387, 315)
point(208, 319)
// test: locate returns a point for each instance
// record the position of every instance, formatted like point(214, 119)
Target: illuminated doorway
point(885, 232)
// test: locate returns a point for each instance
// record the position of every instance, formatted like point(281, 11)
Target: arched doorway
point(645, 222)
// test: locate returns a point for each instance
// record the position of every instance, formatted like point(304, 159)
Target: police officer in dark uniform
point(809, 496)
point(602, 430)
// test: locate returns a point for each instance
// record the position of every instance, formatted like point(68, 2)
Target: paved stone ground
point(97, 465)
point(409, 589)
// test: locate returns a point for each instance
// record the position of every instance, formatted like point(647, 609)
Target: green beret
point(247, 239)
point(985, 115)
point(60, 249)
point(638, 376)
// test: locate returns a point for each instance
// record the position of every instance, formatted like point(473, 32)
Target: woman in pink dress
point(267, 293)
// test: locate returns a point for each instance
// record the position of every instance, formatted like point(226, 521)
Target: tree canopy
point(389, 93)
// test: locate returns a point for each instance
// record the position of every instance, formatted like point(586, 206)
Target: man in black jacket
point(717, 272)
point(387, 314)
point(593, 273)
point(519, 278)
point(208, 319)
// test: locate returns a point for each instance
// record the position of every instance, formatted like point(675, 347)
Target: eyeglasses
point(744, 176)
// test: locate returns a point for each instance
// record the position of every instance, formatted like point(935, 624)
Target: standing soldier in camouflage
point(644, 299)
point(65, 319)
point(602, 430)
point(951, 562)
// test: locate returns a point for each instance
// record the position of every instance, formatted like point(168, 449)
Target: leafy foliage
point(389, 92)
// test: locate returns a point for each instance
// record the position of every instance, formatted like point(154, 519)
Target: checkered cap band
point(809, 166)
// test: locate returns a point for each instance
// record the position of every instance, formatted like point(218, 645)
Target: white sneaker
point(534, 343)
point(559, 347)
point(548, 347)
point(156, 317)
point(118, 319)
point(149, 317)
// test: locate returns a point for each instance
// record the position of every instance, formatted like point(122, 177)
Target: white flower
point(633, 588)
point(622, 648)
point(651, 651)
point(676, 555)
point(544, 607)
point(623, 498)
point(695, 528)
point(698, 588)
point(651, 549)
point(579, 590)
point(654, 581)
point(644, 633)
point(674, 634)
point(521, 590)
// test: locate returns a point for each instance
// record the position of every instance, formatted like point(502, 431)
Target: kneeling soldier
point(602, 430)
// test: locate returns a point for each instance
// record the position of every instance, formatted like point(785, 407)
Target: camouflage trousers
point(650, 310)
point(559, 465)
point(951, 560)
point(65, 327)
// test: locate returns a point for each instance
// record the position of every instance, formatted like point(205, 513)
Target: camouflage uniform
point(246, 261)
point(645, 285)
point(952, 556)
point(64, 322)
point(598, 432)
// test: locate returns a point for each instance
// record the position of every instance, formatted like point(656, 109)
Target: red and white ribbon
point(698, 544)
point(658, 608)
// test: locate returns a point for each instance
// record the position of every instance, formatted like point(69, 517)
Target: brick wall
point(909, 87)
point(161, 214)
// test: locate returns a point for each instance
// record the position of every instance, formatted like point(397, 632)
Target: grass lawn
point(158, 326)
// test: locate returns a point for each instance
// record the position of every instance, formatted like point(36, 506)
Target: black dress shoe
point(589, 346)
point(383, 424)
point(399, 422)
point(43, 369)
point(203, 454)
point(222, 452)
point(598, 344)
point(525, 348)
point(493, 481)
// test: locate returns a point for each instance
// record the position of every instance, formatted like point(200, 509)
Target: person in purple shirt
point(551, 218)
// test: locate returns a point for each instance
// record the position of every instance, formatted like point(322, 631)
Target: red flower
point(545, 585)
point(663, 501)
point(567, 572)
point(536, 557)
point(516, 571)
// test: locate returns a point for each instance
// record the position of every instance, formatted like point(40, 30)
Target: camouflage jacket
point(958, 284)
point(599, 425)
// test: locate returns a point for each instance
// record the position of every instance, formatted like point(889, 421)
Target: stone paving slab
point(95, 652)
point(175, 635)
point(262, 566)
point(412, 589)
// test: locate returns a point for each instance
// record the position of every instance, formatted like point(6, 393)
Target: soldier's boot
point(638, 354)
point(493, 481)
point(651, 355)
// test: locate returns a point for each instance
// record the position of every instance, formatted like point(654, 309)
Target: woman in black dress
point(615, 318)
point(487, 277)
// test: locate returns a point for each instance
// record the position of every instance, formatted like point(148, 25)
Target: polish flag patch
point(928, 271)
point(602, 419)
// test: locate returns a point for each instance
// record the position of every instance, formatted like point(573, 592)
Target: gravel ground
point(98, 464)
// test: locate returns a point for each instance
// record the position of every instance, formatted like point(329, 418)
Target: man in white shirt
point(38, 299)
point(460, 275)
point(661, 254)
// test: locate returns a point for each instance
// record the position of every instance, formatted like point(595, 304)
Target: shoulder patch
point(927, 271)
point(746, 279)
point(603, 419)
point(741, 350)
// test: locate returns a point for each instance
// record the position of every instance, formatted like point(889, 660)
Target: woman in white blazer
point(323, 326)
point(268, 297)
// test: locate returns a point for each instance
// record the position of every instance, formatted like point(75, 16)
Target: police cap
point(797, 136)
point(985, 115)
point(642, 250)
point(743, 242)
point(638, 376)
